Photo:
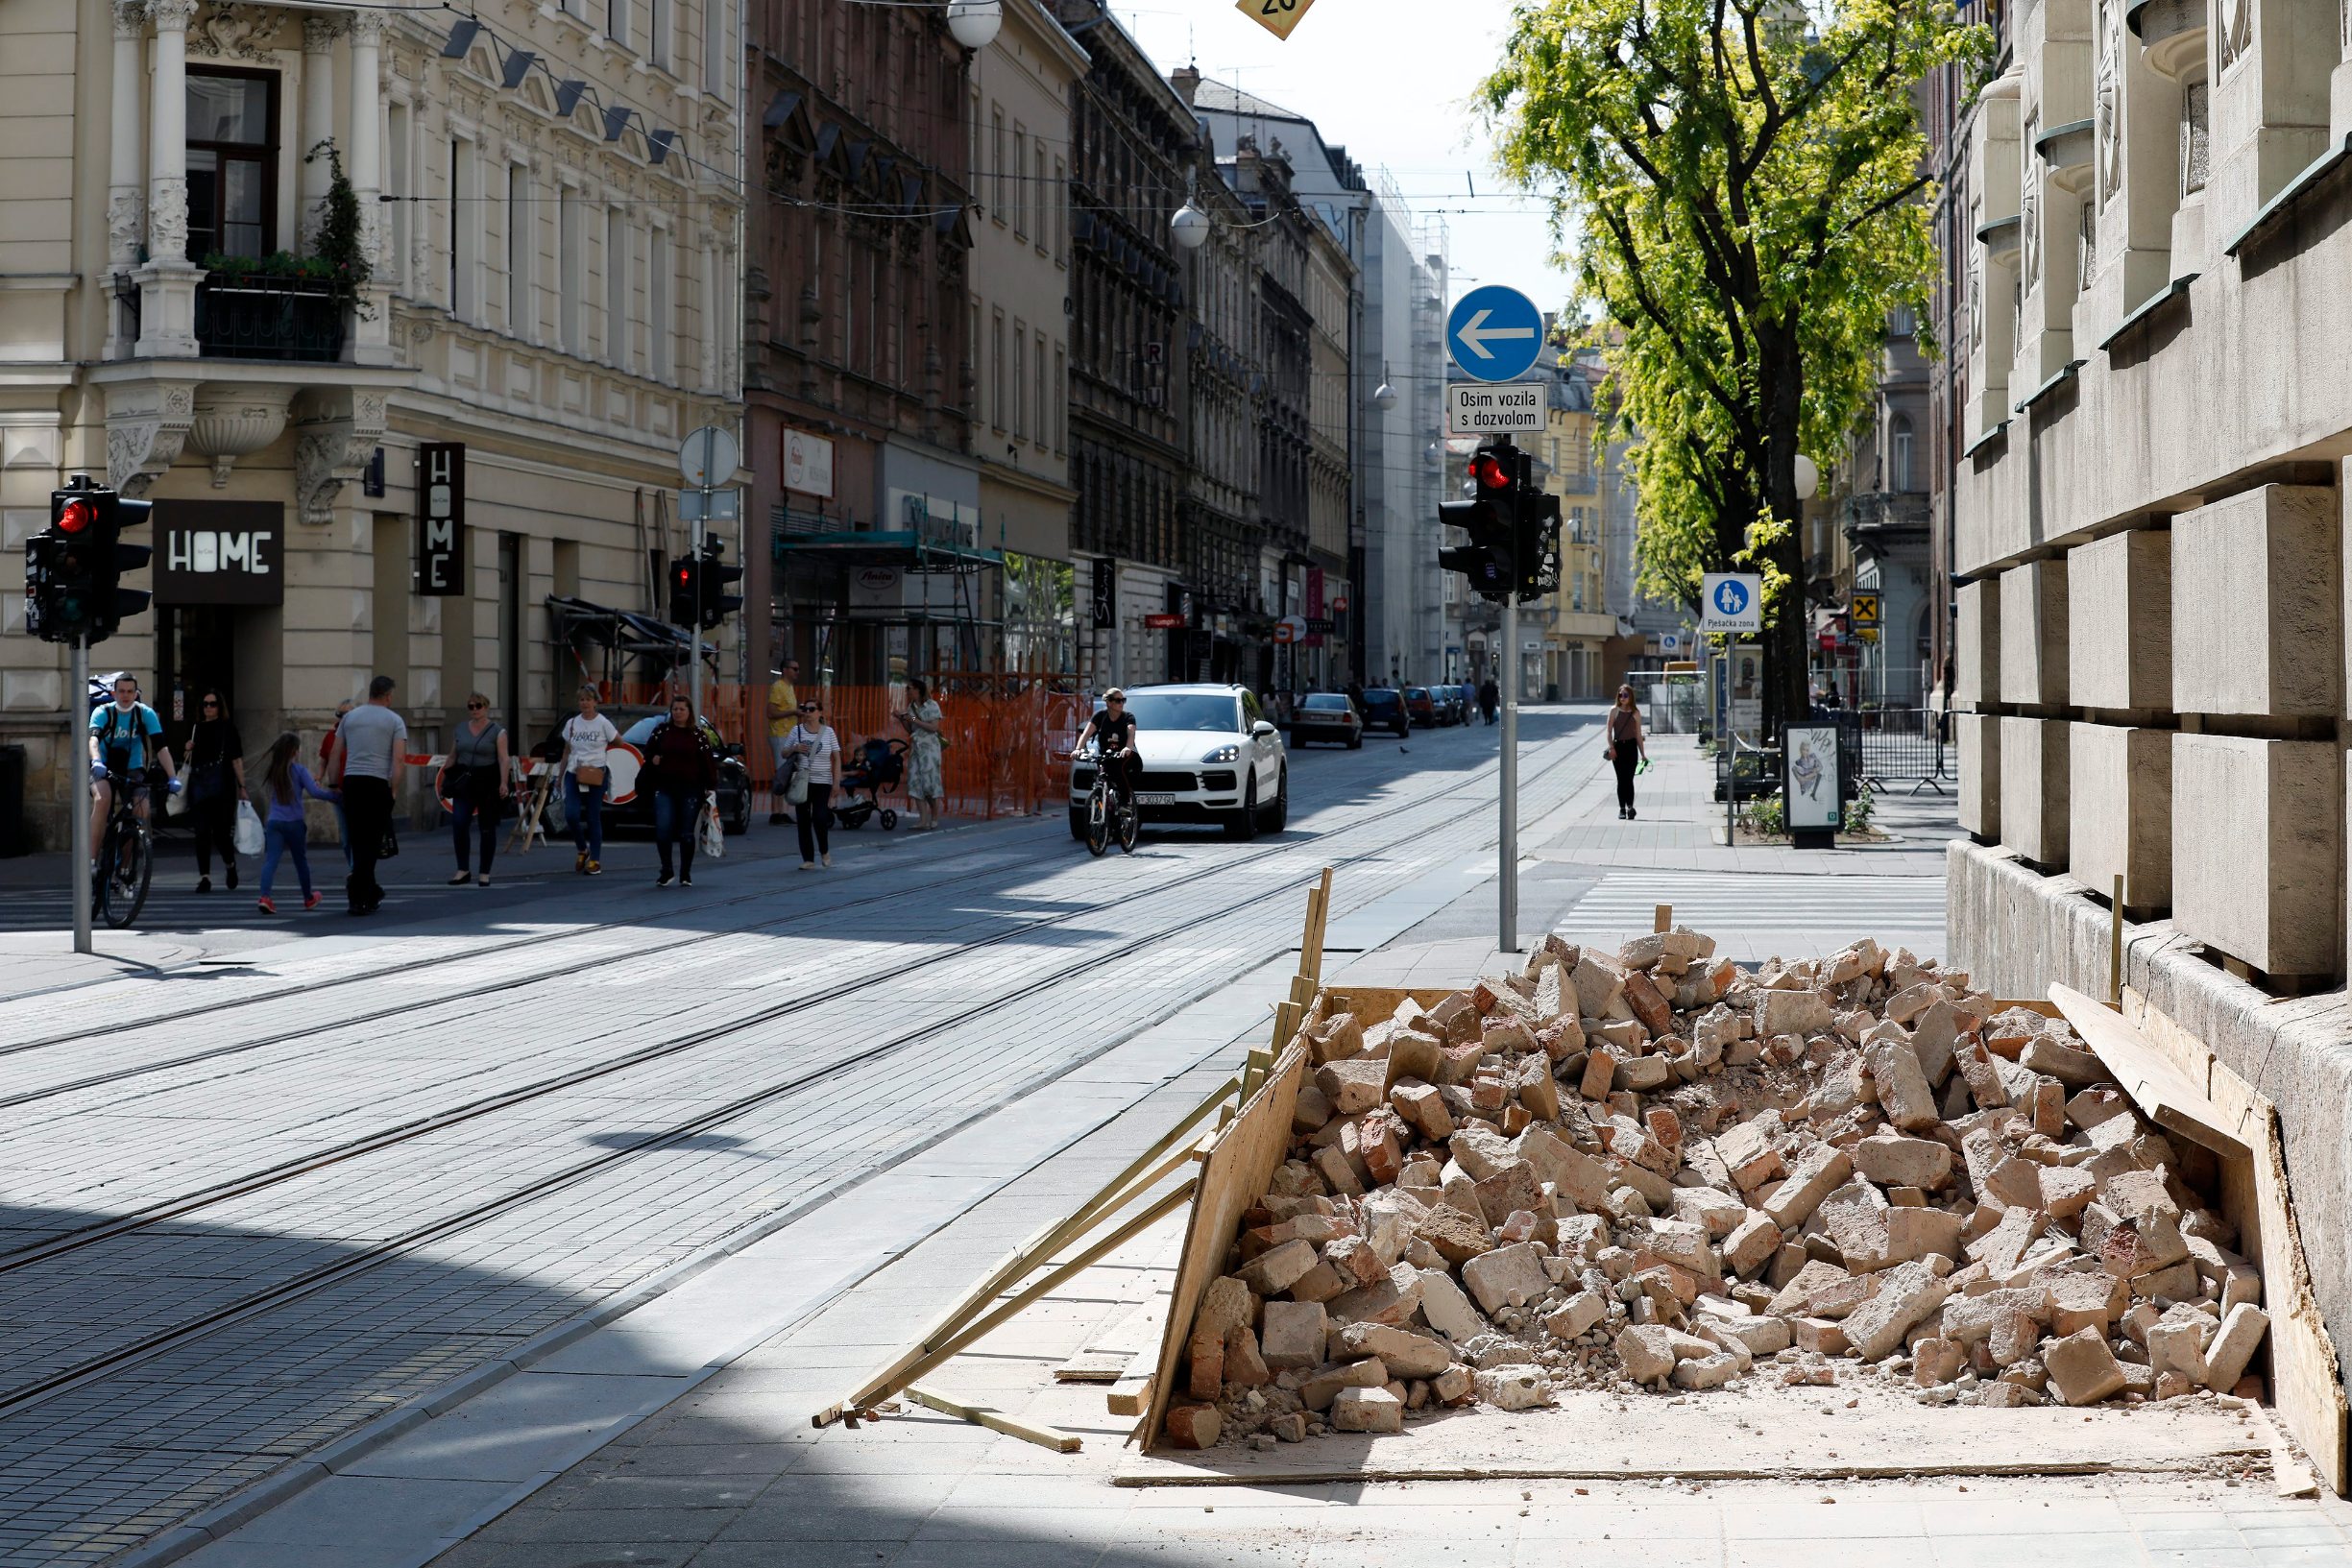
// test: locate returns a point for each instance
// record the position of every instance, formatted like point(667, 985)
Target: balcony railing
point(294, 319)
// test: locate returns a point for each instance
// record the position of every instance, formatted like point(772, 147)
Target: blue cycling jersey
point(123, 735)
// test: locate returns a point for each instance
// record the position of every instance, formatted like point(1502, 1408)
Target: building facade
point(1221, 524)
point(861, 372)
point(1872, 535)
point(2147, 519)
point(545, 211)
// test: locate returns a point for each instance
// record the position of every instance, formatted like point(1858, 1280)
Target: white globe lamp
point(1190, 227)
point(1808, 478)
point(1384, 397)
point(975, 23)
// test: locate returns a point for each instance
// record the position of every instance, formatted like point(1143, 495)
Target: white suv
point(1208, 753)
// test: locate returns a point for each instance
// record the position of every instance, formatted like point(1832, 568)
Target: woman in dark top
point(476, 783)
point(216, 783)
point(681, 768)
point(1627, 747)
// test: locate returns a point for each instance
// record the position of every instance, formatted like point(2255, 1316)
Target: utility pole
point(1507, 863)
point(78, 783)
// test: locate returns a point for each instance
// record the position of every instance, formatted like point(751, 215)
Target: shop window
point(233, 163)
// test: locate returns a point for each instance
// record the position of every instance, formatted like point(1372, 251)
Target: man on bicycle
point(126, 739)
point(1113, 731)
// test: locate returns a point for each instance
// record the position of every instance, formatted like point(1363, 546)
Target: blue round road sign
point(1494, 333)
point(1731, 598)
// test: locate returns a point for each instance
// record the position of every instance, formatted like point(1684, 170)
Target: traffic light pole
point(1507, 859)
point(78, 785)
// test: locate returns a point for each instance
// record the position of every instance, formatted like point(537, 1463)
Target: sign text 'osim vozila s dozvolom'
point(1493, 409)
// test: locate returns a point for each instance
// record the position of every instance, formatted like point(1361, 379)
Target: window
point(659, 329)
point(1899, 455)
point(400, 185)
point(233, 163)
point(1020, 186)
point(660, 23)
point(715, 47)
point(465, 232)
point(2195, 139)
point(616, 288)
point(1043, 194)
point(1020, 379)
point(1058, 193)
point(616, 21)
point(996, 164)
point(996, 371)
point(570, 270)
point(1045, 418)
point(1901, 322)
point(519, 248)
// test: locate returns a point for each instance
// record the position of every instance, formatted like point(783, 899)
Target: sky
point(1391, 81)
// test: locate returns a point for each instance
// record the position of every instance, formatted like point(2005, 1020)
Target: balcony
point(287, 320)
point(1881, 521)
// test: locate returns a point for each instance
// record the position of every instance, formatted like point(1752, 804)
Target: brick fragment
point(2082, 1368)
point(1894, 1161)
point(1819, 1171)
point(2234, 1344)
point(1367, 1410)
point(1294, 1337)
point(1515, 1387)
point(1274, 1271)
point(1319, 1390)
point(1907, 1293)
point(1904, 1094)
point(1194, 1426)
point(1751, 1246)
point(1509, 1276)
point(1205, 1359)
point(1448, 1310)
point(1244, 1367)
point(1403, 1352)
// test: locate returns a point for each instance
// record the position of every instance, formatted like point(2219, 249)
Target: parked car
point(1210, 754)
point(1327, 715)
point(1428, 709)
point(1384, 708)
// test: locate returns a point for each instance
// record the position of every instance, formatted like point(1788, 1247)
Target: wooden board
point(2306, 1385)
point(1236, 1172)
point(2175, 1100)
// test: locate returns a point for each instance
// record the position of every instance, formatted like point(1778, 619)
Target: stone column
point(363, 160)
point(319, 34)
point(167, 283)
point(125, 203)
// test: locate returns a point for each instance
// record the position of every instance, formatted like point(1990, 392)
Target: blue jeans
point(586, 809)
point(676, 817)
point(483, 821)
point(289, 840)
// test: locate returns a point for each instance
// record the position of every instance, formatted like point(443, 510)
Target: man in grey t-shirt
point(368, 748)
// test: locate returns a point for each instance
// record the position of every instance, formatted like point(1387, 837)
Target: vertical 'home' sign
point(441, 518)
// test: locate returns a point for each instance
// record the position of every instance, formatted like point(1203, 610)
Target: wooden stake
point(1319, 920)
point(1662, 918)
point(996, 1421)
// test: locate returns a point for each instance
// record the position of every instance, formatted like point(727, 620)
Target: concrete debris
point(1649, 1171)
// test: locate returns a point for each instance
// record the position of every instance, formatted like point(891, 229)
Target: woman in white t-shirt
point(588, 737)
point(818, 752)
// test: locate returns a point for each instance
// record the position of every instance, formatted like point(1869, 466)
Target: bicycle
point(1109, 812)
point(126, 862)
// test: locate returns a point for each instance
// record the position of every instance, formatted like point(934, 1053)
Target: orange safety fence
point(1006, 738)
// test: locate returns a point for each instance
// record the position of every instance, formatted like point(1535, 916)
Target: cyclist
point(1114, 729)
point(126, 741)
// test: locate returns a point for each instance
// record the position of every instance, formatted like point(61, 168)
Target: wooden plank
point(1093, 1366)
point(1240, 1167)
point(995, 1420)
point(1662, 918)
point(2306, 1382)
point(1131, 1395)
point(2032, 1005)
point(2166, 1095)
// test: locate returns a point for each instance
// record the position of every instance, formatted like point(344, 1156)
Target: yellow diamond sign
point(1276, 17)
point(1863, 608)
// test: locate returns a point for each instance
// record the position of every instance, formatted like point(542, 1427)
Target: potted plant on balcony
point(283, 305)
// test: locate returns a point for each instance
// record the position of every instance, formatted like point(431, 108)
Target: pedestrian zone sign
point(1732, 602)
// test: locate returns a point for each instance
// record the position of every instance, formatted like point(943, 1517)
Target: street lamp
point(1384, 395)
point(1190, 226)
point(975, 23)
point(1808, 478)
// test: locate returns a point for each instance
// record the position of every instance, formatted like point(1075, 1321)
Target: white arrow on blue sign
point(1494, 333)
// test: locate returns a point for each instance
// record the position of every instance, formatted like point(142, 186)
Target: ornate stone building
point(2146, 520)
point(544, 209)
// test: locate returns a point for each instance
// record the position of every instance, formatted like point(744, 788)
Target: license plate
point(1155, 800)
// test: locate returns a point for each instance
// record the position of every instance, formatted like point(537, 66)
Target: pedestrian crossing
point(1757, 915)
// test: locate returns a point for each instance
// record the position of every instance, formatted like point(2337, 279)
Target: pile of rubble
point(1650, 1169)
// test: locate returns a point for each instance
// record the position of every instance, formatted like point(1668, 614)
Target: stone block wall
point(1979, 738)
point(2034, 781)
point(2120, 594)
point(2120, 812)
point(2033, 634)
point(2257, 615)
point(2258, 848)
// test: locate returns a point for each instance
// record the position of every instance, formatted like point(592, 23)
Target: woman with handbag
point(681, 768)
point(216, 784)
point(588, 737)
point(475, 781)
point(925, 787)
point(817, 752)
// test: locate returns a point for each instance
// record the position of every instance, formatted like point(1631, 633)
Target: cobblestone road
point(240, 1221)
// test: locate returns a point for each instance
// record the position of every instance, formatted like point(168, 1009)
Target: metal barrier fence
point(1671, 703)
point(1882, 748)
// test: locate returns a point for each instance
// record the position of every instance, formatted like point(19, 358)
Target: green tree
point(1740, 184)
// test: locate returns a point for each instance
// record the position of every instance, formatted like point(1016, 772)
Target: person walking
point(1490, 698)
point(287, 783)
point(925, 784)
point(783, 711)
point(326, 759)
point(367, 768)
point(586, 766)
point(681, 770)
point(216, 784)
point(477, 781)
point(818, 752)
point(1628, 748)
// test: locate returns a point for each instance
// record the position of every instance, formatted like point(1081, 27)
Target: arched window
point(1898, 455)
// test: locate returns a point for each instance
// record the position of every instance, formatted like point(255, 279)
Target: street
point(251, 1205)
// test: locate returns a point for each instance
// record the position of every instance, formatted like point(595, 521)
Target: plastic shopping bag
point(249, 829)
point(711, 838)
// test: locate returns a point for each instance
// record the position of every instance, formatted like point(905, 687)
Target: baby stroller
point(885, 764)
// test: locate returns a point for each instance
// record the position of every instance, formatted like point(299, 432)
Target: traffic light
point(1490, 518)
point(73, 568)
point(1535, 544)
point(716, 603)
point(685, 591)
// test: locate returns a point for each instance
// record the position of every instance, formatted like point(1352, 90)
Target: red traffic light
point(1489, 471)
point(76, 516)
